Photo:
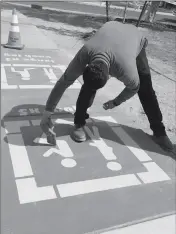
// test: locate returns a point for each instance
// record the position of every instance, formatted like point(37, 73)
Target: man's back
point(118, 38)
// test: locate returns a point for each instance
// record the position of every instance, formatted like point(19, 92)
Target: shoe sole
point(78, 139)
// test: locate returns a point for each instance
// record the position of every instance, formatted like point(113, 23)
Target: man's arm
point(131, 82)
point(73, 71)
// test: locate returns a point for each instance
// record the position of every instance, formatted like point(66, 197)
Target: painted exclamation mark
point(105, 150)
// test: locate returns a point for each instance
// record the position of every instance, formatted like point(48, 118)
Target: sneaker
point(79, 134)
point(164, 142)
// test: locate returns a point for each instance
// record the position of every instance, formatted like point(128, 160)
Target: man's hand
point(109, 105)
point(47, 127)
point(46, 123)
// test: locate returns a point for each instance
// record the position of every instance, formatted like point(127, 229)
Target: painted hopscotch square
point(30, 75)
point(90, 162)
point(96, 169)
point(33, 76)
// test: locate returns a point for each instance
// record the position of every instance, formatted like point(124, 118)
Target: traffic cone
point(14, 40)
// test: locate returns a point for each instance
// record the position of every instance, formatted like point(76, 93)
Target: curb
point(122, 226)
point(54, 10)
point(120, 7)
point(39, 7)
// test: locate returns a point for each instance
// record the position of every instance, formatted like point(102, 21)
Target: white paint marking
point(34, 110)
point(36, 122)
point(12, 59)
point(19, 156)
point(6, 86)
point(61, 67)
point(12, 55)
point(36, 86)
point(154, 173)
point(29, 192)
point(37, 60)
point(140, 154)
point(98, 142)
point(111, 121)
point(6, 65)
point(58, 110)
point(97, 185)
point(128, 141)
point(49, 72)
point(31, 65)
point(68, 162)
point(25, 75)
point(23, 112)
point(62, 149)
point(74, 86)
point(114, 166)
point(41, 140)
point(68, 109)
point(64, 121)
point(3, 76)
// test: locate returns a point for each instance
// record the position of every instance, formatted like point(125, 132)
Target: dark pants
point(146, 95)
point(84, 101)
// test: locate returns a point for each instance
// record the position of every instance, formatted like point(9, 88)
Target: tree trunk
point(125, 10)
point(150, 16)
point(107, 11)
point(142, 13)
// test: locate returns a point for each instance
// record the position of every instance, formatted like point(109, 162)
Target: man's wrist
point(47, 113)
point(115, 103)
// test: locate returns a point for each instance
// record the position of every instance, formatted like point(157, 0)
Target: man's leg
point(149, 101)
point(84, 101)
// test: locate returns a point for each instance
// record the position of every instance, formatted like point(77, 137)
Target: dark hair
point(95, 75)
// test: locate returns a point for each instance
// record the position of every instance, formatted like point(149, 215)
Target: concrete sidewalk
point(157, 226)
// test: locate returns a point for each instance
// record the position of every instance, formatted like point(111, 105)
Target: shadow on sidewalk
point(142, 139)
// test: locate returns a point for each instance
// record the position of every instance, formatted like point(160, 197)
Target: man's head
point(95, 75)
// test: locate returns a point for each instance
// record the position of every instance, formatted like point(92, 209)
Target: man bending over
point(116, 50)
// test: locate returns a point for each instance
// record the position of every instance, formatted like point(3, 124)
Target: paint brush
point(48, 129)
point(51, 136)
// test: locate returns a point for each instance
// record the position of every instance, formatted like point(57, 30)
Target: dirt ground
point(68, 30)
